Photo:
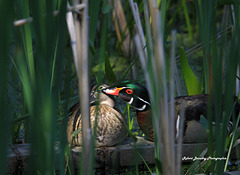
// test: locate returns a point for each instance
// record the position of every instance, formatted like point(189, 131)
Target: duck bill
point(112, 91)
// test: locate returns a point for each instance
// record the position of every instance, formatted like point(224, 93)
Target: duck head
point(98, 97)
point(133, 93)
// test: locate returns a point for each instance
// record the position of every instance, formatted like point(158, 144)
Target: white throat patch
point(131, 100)
point(142, 108)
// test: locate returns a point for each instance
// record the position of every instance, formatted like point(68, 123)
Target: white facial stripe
point(178, 126)
point(130, 102)
point(110, 91)
point(142, 108)
point(144, 101)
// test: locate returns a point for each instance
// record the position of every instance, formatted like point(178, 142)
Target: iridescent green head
point(133, 93)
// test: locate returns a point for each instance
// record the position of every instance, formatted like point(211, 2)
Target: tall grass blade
point(56, 79)
point(172, 114)
point(202, 9)
point(121, 27)
point(5, 127)
point(42, 100)
point(204, 15)
point(103, 44)
point(163, 9)
point(230, 79)
point(23, 12)
point(108, 70)
point(130, 121)
point(94, 11)
point(231, 143)
point(187, 18)
point(214, 74)
point(25, 79)
point(27, 42)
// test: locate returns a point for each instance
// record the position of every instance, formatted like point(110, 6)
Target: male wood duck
point(110, 129)
point(137, 96)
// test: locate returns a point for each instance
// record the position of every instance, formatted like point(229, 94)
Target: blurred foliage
point(191, 81)
point(38, 81)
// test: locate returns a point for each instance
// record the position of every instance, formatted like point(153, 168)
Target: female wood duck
point(137, 96)
point(110, 129)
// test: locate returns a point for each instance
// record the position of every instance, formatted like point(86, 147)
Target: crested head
point(133, 93)
point(98, 97)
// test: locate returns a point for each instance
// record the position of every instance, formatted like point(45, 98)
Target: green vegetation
point(156, 44)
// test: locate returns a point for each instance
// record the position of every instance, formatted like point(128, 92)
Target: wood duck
point(110, 129)
point(137, 96)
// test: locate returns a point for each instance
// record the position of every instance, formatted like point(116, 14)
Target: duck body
point(106, 121)
point(195, 106)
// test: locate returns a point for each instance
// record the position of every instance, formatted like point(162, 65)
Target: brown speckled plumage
point(110, 129)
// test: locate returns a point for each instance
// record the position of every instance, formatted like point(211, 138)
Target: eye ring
point(100, 87)
point(129, 91)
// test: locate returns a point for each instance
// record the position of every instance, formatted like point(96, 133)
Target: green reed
point(217, 81)
point(39, 61)
point(40, 72)
point(220, 65)
point(5, 119)
point(154, 65)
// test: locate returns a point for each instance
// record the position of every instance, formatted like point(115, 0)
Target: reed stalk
point(81, 28)
point(72, 33)
point(25, 20)
point(163, 116)
point(121, 27)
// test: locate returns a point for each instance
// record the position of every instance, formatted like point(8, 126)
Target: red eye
point(129, 91)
